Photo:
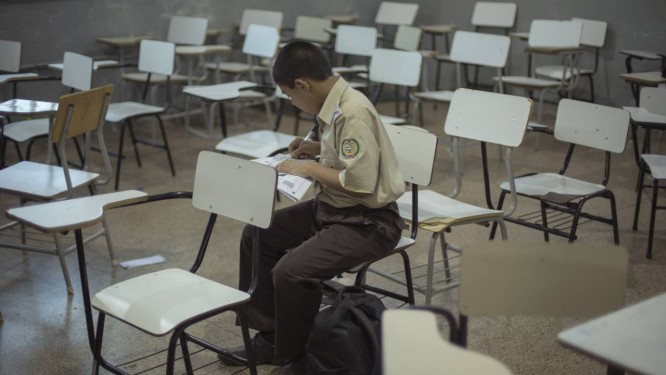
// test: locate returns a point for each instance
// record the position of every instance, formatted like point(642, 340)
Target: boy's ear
point(302, 84)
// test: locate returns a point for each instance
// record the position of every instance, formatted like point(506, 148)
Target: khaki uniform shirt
point(354, 141)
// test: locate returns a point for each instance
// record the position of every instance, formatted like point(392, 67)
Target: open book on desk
point(294, 187)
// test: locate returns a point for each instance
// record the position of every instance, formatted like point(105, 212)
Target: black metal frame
point(179, 334)
point(569, 206)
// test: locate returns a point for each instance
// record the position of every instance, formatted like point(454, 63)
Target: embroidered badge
point(349, 148)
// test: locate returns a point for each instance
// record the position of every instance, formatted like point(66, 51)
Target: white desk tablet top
point(657, 164)
point(645, 78)
point(38, 181)
point(642, 116)
point(343, 18)
point(222, 91)
point(202, 50)
point(99, 64)
point(647, 55)
point(438, 29)
point(17, 77)
point(75, 213)
point(26, 107)
point(632, 338)
point(412, 344)
point(123, 41)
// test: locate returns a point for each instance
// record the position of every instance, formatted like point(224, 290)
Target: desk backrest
point(187, 30)
point(236, 188)
point(542, 278)
point(488, 117)
point(555, 34)
point(10, 56)
point(487, 14)
point(592, 125)
point(407, 38)
point(653, 99)
point(260, 17)
point(157, 57)
point(393, 13)
point(355, 40)
point(77, 71)
point(261, 41)
point(480, 49)
point(416, 150)
point(312, 29)
point(395, 67)
point(594, 32)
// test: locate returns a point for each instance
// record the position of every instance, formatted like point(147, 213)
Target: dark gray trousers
point(306, 244)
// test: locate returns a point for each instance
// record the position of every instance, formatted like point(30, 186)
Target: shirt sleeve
point(359, 154)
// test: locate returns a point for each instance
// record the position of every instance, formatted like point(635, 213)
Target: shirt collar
point(331, 108)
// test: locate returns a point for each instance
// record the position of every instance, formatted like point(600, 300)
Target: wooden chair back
point(81, 112)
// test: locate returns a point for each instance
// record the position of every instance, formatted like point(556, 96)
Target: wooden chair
point(78, 114)
point(561, 198)
point(169, 301)
point(502, 122)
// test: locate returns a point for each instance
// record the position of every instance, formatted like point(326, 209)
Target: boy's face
point(302, 97)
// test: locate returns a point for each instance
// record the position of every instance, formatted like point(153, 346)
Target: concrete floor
point(43, 331)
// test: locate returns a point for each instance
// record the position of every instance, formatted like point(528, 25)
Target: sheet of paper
point(142, 261)
point(294, 187)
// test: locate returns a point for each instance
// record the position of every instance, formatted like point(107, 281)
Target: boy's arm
point(329, 177)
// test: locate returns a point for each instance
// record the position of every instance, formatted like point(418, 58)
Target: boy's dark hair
point(300, 59)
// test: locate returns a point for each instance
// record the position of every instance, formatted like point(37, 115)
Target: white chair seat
point(544, 183)
point(256, 144)
point(657, 165)
point(235, 67)
point(438, 96)
point(118, 112)
point(435, 208)
point(533, 125)
point(159, 301)
point(219, 92)
point(342, 70)
point(392, 120)
point(402, 244)
point(17, 76)
point(41, 181)
point(22, 131)
point(529, 82)
point(558, 71)
point(157, 78)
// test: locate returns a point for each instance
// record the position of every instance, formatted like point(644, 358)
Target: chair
point(313, 29)
point(394, 67)
point(415, 149)
point(395, 14)
point(77, 75)
point(10, 62)
point(78, 114)
point(502, 121)
point(486, 16)
point(550, 37)
point(169, 301)
point(651, 115)
point(187, 31)
point(657, 167)
point(355, 41)
point(411, 344)
point(572, 280)
point(468, 48)
point(562, 198)
point(255, 50)
point(156, 58)
point(592, 38)
point(260, 41)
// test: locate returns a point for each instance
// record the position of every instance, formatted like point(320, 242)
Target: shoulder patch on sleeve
point(349, 148)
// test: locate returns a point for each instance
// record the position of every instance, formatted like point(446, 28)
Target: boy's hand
point(303, 150)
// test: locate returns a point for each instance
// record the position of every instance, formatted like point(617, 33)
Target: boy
point(353, 219)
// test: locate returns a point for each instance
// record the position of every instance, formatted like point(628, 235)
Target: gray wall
point(47, 28)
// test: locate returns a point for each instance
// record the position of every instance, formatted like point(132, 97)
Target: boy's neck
point(321, 89)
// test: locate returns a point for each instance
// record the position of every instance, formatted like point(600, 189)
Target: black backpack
point(344, 339)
